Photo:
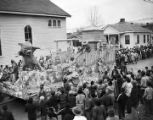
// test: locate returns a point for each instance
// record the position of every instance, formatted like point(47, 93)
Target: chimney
point(122, 20)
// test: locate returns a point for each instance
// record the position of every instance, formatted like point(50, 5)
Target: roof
point(123, 27)
point(63, 40)
point(32, 7)
point(74, 35)
point(92, 28)
point(143, 20)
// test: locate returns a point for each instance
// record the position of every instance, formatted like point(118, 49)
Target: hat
point(42, 98)
point(72, 92)
point(77, 111)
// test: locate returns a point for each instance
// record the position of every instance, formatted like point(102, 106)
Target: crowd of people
point(132, 55)
point(111, 98)
point(121, 96)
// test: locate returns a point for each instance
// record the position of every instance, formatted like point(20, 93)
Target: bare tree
point(95, 18)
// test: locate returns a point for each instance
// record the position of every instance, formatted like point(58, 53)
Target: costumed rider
point(29, 61)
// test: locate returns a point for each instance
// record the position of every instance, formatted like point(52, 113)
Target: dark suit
point(31, 109)
point(122, 99)
point(107, 101)
point(6, 115)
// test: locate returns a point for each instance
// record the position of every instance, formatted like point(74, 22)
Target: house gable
point(110, 30)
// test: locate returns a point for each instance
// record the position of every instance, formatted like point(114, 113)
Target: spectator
point(89, 104)
point(43, 109)
point(80, 99)
point(121, 100)
point(85, 89)
point(62, 99)
point(98, 111)
point(66, 113)
point(107, 100)
point(1, 115)
point(78, 114)
point(127, 85)
point(148, 96)
point(7, 115)
point(93, 89)
point(31, 109)
point(53, 101)
point(72, 98)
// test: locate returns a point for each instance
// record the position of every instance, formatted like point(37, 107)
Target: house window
point(0, 48)
point(144, 38)
point(50, 23)
point(138, 39)
point(127, 39)
point(28, 33)
point(54, 23)
point(59, 23)
point(148, 38)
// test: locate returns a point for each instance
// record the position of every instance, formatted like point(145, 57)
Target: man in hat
point(43, 106)
point(66, 113)
point(53, 100)
point(7, 115)
point(78, 114)
point(72, 98)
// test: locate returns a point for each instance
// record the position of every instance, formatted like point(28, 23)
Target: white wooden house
point(125, 34)
point(93, 35)
point(39, 21)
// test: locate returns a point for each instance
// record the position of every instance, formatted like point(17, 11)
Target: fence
point(107, 55)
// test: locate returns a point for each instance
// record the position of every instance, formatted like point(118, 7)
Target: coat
point(107, 101)
point(98, 113)
point(6, 115)
point(31, 109)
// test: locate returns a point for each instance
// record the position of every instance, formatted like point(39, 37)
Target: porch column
point(108, 40)
point(119, 41)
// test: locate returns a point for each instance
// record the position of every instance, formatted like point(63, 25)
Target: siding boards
point(12, 33)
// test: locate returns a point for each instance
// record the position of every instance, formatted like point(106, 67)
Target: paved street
point(17, 107)
point(140, 65)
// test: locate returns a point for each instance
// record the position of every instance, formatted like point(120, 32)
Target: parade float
point(29, 81)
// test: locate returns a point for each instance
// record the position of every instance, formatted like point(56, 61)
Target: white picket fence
point(107, 56)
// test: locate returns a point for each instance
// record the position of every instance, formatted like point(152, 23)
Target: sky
point(109, 11)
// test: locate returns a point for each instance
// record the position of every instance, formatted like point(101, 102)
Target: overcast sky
point(110, 11)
